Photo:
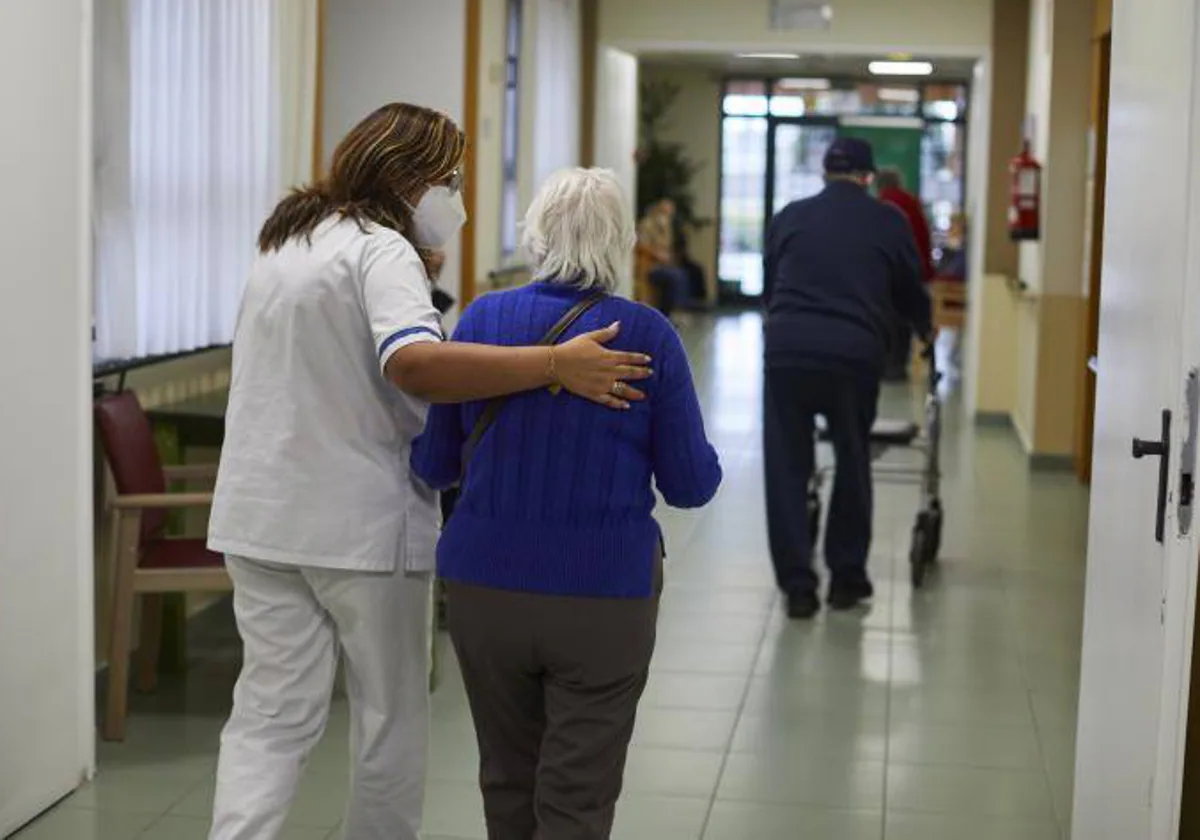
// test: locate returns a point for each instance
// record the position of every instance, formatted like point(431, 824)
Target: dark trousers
point(553, 685)
point(668, 282)
point(793, 399)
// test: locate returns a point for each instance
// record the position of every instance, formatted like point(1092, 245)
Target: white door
point(1137, 619)
point(47, 671)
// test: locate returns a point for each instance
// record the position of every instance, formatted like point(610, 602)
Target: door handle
point(1162, 450)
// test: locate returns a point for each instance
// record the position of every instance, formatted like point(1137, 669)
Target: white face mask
point(438, 216)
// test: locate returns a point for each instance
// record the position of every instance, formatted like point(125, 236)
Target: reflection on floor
point(933, 716)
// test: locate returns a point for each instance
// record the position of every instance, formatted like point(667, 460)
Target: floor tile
point(785, 778)
point(684, 729)
point(931, 827)
point(969, 791)
point(704, 658)
point(454, 809)
point(189, 828)
point(81, 824)
point(732, 629)
point(672, 772)
point(687, 600)
point(756, 821)
point(951, 708)
point(643, 816)
point(827, 654)
point(941, 704)
point(834, 736)
point(667, 690)
point(815, 698)
point(1003, 747)
point(320, 801)
point(135, 790)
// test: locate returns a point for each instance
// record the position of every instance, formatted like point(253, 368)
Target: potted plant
point(665, 171)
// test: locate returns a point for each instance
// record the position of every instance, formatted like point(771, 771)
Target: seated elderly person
point(552, 560)
point(658, 242)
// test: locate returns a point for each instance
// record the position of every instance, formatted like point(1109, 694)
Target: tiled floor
point(936, 715)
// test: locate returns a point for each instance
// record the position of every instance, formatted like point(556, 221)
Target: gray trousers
point(553, 685)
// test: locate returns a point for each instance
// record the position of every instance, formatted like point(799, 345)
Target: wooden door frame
point(318, 141)
point(1086, 404)
point(473, 46)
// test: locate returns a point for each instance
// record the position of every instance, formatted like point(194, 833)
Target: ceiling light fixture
point(900, 68)
point(770, 56)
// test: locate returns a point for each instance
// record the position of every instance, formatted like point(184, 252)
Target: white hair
point(579, 230)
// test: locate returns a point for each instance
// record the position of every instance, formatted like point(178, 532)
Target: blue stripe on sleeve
point(405, 333)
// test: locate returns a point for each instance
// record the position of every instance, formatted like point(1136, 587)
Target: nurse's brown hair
point(378, 168)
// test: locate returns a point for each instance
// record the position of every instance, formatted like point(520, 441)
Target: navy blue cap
point(849, 154)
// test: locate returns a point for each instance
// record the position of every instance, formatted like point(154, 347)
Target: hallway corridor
point(937, 715)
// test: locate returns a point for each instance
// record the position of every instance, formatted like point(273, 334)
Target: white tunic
point(314, 468)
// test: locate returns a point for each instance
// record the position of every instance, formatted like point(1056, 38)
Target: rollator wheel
point(935, 531)
point(814, 519)
point(918, 554)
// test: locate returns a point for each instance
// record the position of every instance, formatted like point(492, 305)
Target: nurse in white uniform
point(328, 538)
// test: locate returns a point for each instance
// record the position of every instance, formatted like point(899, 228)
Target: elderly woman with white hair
point(552, 559)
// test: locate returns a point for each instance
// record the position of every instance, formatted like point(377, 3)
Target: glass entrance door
point(775, 133)
point(743, 206)
point(766, 165)
point(799, 171)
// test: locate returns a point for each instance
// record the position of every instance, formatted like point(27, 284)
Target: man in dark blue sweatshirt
point(837, 269)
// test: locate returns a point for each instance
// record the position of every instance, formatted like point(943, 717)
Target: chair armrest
point(186, 472)
point(160, 501)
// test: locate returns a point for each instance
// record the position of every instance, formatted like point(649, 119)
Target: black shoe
point(848, 596)
point(803, 605)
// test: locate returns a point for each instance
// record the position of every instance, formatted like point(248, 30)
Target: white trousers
point(293, 621)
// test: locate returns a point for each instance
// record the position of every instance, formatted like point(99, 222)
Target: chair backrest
point(128, 442)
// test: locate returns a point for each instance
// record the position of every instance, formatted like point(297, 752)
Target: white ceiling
point(852, 66)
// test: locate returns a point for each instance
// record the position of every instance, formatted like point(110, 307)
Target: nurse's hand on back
point(328, 538)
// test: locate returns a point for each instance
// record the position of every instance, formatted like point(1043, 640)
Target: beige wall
point(1060, 68)
point(1024, 413)
point(994, 381)
point(861, 26)
point(695, 122)
point(616, 124)
point(1029, 332)
point(1008, 65)
point(401, 50)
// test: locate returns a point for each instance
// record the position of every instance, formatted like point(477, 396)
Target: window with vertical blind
point(204, 115)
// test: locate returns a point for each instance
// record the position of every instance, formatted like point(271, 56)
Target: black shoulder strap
point(492, 410)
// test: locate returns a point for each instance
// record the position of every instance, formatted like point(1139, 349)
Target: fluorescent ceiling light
point(900, 68)
point(770, 56)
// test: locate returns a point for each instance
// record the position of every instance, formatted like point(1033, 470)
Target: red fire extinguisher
point(1025, 196)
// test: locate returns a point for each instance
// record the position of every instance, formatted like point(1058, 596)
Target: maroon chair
point(145, 560)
